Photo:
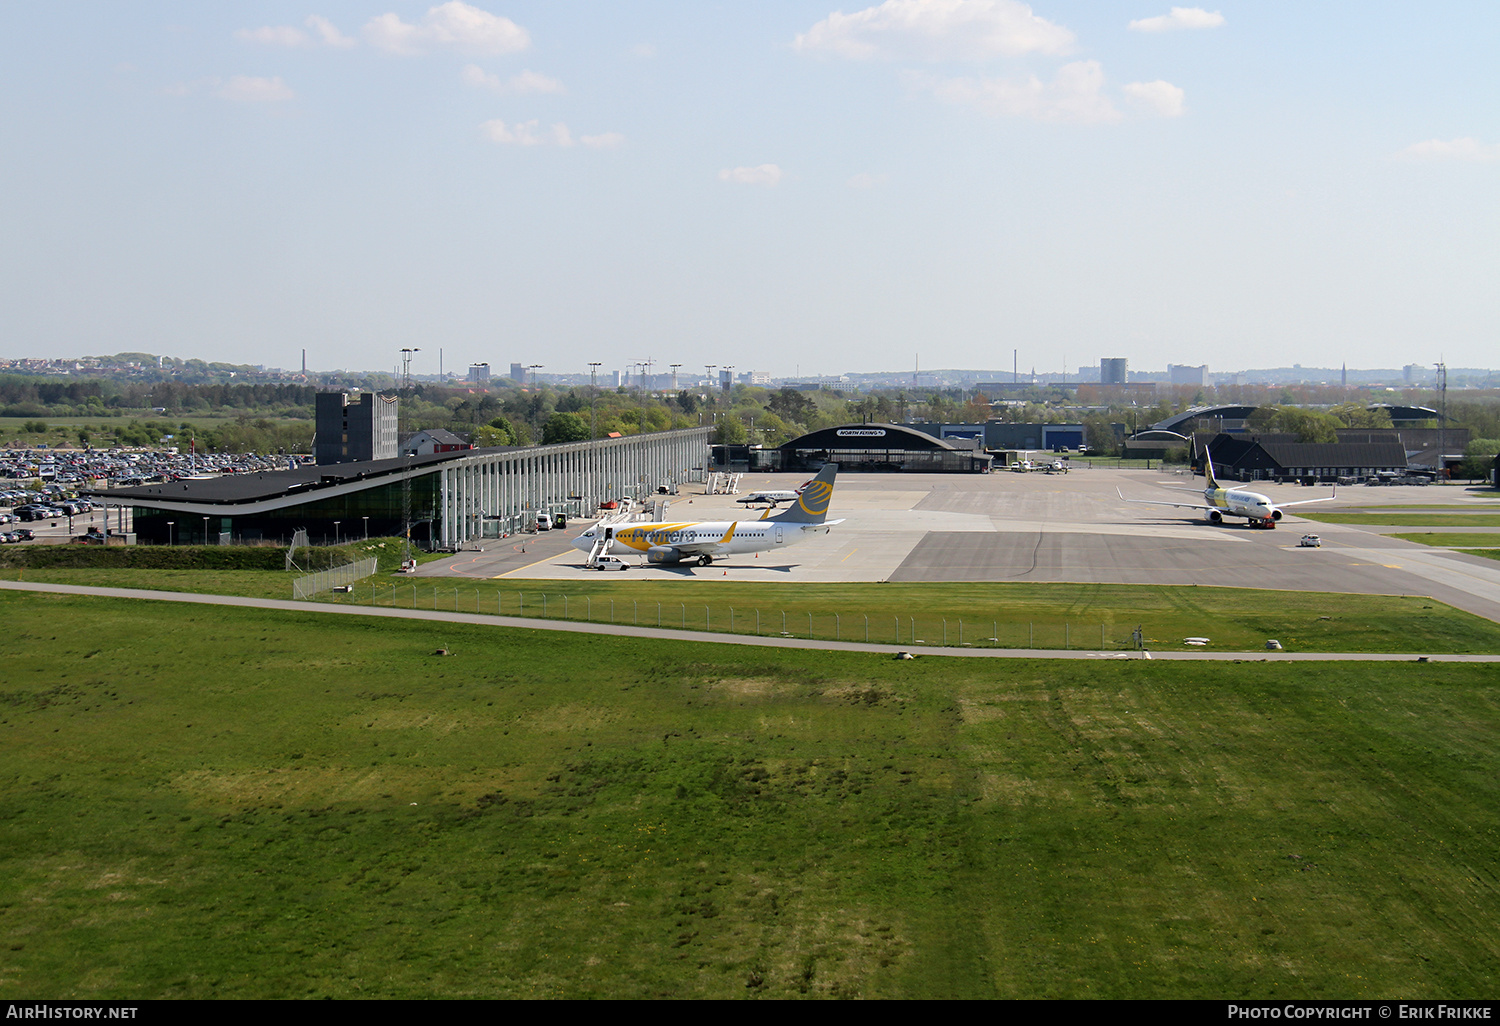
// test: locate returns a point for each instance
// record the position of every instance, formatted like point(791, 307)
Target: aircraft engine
point(1213, 516)
point(1275, 514)
point(663, 554)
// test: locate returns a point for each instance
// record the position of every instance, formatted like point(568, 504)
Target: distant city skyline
point(799, 188)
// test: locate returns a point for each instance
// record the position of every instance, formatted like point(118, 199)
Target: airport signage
point(861, 432)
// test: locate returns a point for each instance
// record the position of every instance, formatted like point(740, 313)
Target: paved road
point(666, 634)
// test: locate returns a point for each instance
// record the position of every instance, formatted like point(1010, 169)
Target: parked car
point(608, 563)
point(1310, 541)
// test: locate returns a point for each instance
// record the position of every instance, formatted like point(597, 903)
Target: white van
point(544, 521)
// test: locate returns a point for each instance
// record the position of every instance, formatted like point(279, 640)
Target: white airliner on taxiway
point(1259, 510)
point(704, 541)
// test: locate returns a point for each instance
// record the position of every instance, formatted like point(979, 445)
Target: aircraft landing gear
point(705, 560)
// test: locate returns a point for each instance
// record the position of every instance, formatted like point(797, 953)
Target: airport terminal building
point(448, 498)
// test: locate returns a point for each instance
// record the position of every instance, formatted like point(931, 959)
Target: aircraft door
point(778, 534)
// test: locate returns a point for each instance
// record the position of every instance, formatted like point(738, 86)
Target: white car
point(1310, 541)
point(607, 563)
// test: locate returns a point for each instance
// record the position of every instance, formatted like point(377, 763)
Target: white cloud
point(867, 181)
point(286, 35)
point(603, 141)
point(766, 174)
point(1180, 18)
point(521, 134)
point(273, 35)
point(1467, 148)
point(1076, 94)
point(248, 89)
point(519, 85)
point(936, 30)
point(330, 35)
point(531, 133)
point(454, 25)
point(1161, 98)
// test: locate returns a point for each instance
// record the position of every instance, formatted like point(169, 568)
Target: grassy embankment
point(240, 803)
point(1457, 539)
point(1082, 616)
point(1384, 519)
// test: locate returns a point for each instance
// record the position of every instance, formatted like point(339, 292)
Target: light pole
point(169, 532)
point(593, 435)
point(367, 527)
point(336, 531)
point(531, 369)
point(205, 530)
point(404, 394)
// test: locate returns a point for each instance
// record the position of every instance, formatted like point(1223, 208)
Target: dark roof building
point(881, 447)
point(1274, 458)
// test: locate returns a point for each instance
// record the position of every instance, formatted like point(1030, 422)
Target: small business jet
point(773, 498)
point(1222, 502)
point(704, 541)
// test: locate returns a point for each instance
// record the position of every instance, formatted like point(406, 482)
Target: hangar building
point(880, 447)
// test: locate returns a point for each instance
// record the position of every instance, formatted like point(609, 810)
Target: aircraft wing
point(1304, 502)
point(1179, 505)
point(820, 528)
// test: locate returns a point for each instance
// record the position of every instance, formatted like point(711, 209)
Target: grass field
point(1080, 616)
point(239, 803)
point(1407, 519)
point(1455, 539)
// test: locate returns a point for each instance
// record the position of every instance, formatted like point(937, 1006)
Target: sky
point(778, 185)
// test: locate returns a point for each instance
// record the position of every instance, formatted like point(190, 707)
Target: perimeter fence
point(339, 577)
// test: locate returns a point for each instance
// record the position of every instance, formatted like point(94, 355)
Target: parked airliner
point(704, 541)
point(1222, 502)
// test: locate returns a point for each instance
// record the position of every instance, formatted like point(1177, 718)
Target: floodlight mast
point(593, 434)
point(404, 396)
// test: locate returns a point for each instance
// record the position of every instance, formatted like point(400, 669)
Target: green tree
point(565, 427)
point(1479, 458)
point(731, 431)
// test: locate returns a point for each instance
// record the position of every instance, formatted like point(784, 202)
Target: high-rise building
point(479, 374)
point(1113, 371)
point(352, 432)
point(518, 373)
point(1178, 374)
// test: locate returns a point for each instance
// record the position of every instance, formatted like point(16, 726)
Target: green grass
point(1453, 540)
point(1487, 553)
point(238, 803)
point(1018, 615)
point(1080, 616)
point(1408, 519)
point(205, 569)
point(1449, 507)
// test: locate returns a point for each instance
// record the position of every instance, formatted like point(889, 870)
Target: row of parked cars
point(30, 511)
point(82, 468)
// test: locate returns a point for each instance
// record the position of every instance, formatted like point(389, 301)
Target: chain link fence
point(338, 577)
